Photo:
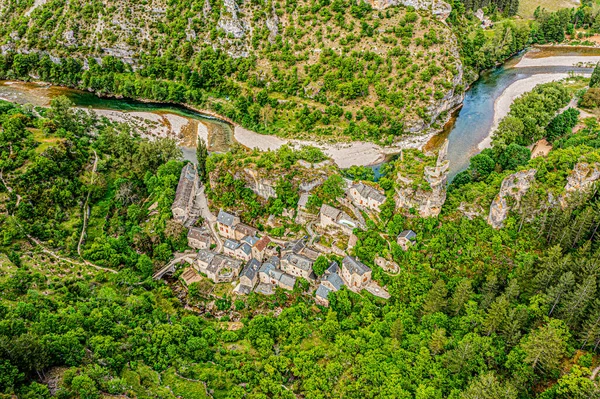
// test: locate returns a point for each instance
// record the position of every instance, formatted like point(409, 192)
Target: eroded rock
point(427, 199)
point(513, 188)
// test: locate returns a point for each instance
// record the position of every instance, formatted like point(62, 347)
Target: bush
point(591, 99)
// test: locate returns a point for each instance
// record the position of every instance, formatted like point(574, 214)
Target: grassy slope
point(527, 7)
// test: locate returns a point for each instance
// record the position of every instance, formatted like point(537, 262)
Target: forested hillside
point(337, 69)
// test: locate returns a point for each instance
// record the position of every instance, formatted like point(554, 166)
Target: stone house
point(406, 239)
point(365, 196)
point(242, 230)
point(333, 281)
point(226, 223)
point(249, 276)
point(333, 217)
point(260, 247)
point(186, 193)
point(219, 268)
point(297, 265)
point(199, 238)
point(266, 268)
point(321, 295)
point(269, 273)
point(287, 282)
point(356, 275)
point(241, 250)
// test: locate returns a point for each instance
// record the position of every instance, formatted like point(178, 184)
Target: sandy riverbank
point(344, 155)
point(558, 61)
point(511, 93)
point(150, 124)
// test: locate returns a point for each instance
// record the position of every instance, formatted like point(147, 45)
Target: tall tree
point(201, 157)
point(545, 347)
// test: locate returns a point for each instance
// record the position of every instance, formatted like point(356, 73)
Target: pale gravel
point(203, 131)
point(344, 155)
point(558, 61)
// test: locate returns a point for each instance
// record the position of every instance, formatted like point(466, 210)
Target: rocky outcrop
point(437, 7)
point(428, 201)
point(230, 22)
point(513, 188)
point(470, 211)
point(264, 188)
point(582, 179)
point(273, 24)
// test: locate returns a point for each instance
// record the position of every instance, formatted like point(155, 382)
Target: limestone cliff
point(425, 193)
point(437, 7)
point(513, 188)
point(581, 180)
point(263, 187)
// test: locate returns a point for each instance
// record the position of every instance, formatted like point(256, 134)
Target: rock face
point(230, 22)
point(427, 200)
point(264, 188)
point(582, 179)
point(437, 7)
point(513, 188)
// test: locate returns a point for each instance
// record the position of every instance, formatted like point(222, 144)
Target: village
point(227, 250)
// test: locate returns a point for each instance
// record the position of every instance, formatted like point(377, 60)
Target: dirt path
point(86, 207)
point(210, 218)
point(55, 255)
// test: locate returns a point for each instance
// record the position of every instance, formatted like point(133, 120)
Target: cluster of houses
point(257, 264)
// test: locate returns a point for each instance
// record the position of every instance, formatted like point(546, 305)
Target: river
point(467, 130)
point(473, 123)
point(174, 121)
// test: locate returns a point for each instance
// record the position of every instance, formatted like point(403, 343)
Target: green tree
point(320, 265)
point(201, 157)
point(545, 347)
point(595, 79)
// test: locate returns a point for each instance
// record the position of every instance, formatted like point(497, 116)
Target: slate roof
point(205, 255)
point(266, 268)
point(369, 192)
point(245, 248)
point(335, 280)
point(185, 186)
point(287, 280)
point(246, 230)
point(408, 234)
point(225, 218)
point(231, 244)
point(322, 292)
point(303, 200)
point(353, 265)
point(198, 233)
point(251, 269)
point(273, 260)
point(333, 268)
point(330, 212)
point(251, 240)
point(299, 261)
